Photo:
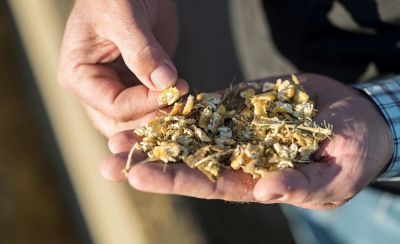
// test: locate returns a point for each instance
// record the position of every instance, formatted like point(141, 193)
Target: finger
point(179, 179)
point(123, 141)
point(283, 186)
point(142, 53)
point(309, 186)
point(98, 87)
point(112, 167)
point(109, 127)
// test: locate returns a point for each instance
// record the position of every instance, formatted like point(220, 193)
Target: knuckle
point(117, 114)
point(139, 55)
point(145, 58)
point(118, 142)
point(144, 51)
point(122, 112)
point(113, 109)
point(113, 145)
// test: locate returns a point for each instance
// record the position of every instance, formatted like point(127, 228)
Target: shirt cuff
point(386, 95)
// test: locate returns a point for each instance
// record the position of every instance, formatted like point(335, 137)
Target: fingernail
point(163, 77)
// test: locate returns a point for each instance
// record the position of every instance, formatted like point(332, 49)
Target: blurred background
point(50, 187)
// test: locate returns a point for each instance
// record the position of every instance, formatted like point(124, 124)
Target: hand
point(359, 150)
point(116, 58)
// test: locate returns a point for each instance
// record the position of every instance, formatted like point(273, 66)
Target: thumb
point(145, 57)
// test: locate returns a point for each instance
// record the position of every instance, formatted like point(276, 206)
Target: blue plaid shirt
point(386, 95)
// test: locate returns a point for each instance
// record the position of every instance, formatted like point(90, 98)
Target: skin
point(110, 57)
point(361, 147)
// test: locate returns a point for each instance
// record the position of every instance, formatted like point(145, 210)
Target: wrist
point(385, 145)
point(384, 95)
point(388, 147)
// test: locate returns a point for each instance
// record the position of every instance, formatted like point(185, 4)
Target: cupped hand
point(359, 150)
point(115, 58)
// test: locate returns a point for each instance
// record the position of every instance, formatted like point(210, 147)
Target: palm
point(352, 158)
point(346, 163)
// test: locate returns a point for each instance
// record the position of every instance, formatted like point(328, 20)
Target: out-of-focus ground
point(36, 202)
point(206, 59)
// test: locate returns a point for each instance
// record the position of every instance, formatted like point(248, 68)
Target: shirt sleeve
point(386, 95)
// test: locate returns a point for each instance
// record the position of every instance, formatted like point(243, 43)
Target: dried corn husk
point(257, 130)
